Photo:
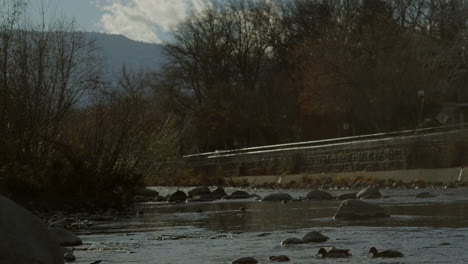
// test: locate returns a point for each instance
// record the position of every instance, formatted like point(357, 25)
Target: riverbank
point(444, 176)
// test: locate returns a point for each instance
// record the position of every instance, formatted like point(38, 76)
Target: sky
point(142, 20)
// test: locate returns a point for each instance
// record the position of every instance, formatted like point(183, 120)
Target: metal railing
point(323, 142)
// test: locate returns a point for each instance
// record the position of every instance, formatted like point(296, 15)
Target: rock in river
point(219, 193)
point(201, 198)
point(314, 236)
point(24, 238)
point(346, 196)
point(277, 197)
point(178, 196)
point(245, 260)
point(292, 241)
point(69, 257)
point(59, 223)
point(199, 191)
point(369, 193)
point(238, 195)
point(357, 209)
point(280, 258)
point(64, 237)
point(319, 195)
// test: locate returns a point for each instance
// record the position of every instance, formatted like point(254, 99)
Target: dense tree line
point(252, 72)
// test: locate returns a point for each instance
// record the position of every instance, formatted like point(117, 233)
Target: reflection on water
point(431, 230)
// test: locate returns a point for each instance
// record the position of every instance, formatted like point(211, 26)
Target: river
point(425, 230)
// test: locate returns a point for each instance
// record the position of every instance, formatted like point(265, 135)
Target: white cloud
point(144, 20)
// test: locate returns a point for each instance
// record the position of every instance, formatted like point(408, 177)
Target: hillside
point(117, 50)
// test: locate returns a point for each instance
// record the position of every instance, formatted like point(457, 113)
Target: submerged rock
point(314, 236)
point(277, 197)
point(69, 257)
point(356, 209)
point(66, 250)
point(319, 195)
point(334, 253)
point(245, 260)
point(280, 258)
point(424, 195)
point(24, 238)
point(369, 193)
point(292, 241)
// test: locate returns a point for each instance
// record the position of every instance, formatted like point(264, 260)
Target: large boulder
point(314, 236)
point(178, 196)
point(369, 193)
point(24, 238)
point(199, 191)
point(277, 197)
point(357, 209)
point(64, 237)
point(319, 195)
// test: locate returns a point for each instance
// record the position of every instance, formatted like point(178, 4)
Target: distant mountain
point(117, 50)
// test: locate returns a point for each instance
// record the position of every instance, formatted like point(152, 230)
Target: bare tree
point(44, 71)
point(223, 58)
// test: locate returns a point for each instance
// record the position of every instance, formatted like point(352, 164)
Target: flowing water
point(425, 230)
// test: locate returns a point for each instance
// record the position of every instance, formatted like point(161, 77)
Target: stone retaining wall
point(445, 176)
point(437, 150)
